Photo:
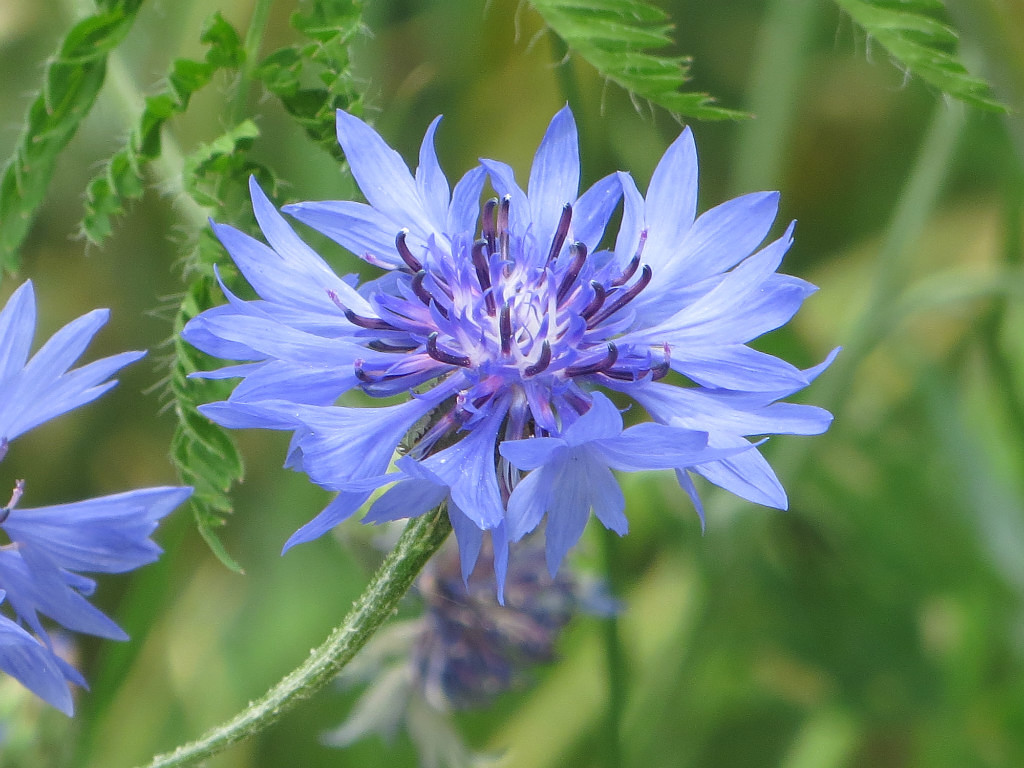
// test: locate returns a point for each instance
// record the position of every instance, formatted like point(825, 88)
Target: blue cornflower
point(51, 547)
point(503, 321)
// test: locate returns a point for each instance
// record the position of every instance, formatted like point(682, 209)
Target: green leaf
point(289, 72)
point(616, 38)
point(121, 179)
point(915, 34)
point(71, 82)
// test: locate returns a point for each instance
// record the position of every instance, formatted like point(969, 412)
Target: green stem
point(253, 41)
point(779, 68)
point(614, 659)
point(420, 540)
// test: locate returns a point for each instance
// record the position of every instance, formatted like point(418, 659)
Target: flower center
point(508, 314)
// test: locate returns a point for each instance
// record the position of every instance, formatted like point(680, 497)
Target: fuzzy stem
point(420, 540)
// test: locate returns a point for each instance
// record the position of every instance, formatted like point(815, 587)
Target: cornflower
point(506, 323)
point(49, 548)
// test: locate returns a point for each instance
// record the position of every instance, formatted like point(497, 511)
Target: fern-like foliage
point(71, 82)
point(121, 179)
point(616, 37)
point(205, 455)
point(313, 79)
point(915, 34)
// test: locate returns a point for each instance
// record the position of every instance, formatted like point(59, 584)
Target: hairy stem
point(420, 540)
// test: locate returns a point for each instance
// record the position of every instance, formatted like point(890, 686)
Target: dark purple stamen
point(483, 274)
point(560, 232)
point(403, 250)
point(542, 362)
point(579, 255)
point(444, 357)
point(380, 346)
point(370, 323)
point(627, 273)
point(362, 375)
point(623, 298)
point(441, 309)
point(597, 366)
point(417, 287)
point(506, 204)
point(505, 329)
point(596, 302)
point(488, 228)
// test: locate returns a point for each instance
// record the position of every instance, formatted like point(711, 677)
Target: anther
point(505, 329)
point(488, 227)
point(483, 275)
point(362, 375)
point(597, 366)
point(623, 298)
point(596, 302)
point(3, 447)
point(370, 323)
point(579, 255)
point(379, 346)
point(503, 211)
point(417, 287)
point(630, 269)
point(560, 232)
point(444, 357)
point(403, 250)
point(542, 362)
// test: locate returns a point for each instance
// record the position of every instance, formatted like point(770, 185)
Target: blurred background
point(879, 622)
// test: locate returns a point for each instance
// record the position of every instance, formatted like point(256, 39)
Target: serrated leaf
point(616, 37)
point(121, 179)
point(917, 37)
point(329, 25)
point(71, 82)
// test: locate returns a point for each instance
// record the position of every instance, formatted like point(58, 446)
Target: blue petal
point(35, 586)
point(633, 225)
point(109, 534)
point(531, 452)
point(292, 273)
point(607, 499)
point(591, 212)
point(569, 506)
point(603, 420)
point(341, 508)
point(359, 228)
point(737, 367)
point(407, 498)
point(431, 182)
point(469, 538)
point(28, 661)
point(719, 307)
point(531, 499)
point(468, 468)
point(464, 211)
point(17, 326)
point(747, 474)
point(382, 175)
point(555, 175)
point(672, 199)
point(653, 446)
point(343, 444)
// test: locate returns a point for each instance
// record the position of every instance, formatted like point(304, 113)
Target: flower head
point(50, 547)
point(503, 321)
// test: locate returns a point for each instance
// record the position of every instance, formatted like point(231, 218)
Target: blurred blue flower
point(50, 547)
point(503, 321)
point(462, 652)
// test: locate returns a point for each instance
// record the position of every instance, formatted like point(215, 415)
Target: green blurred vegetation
point(877, 624)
